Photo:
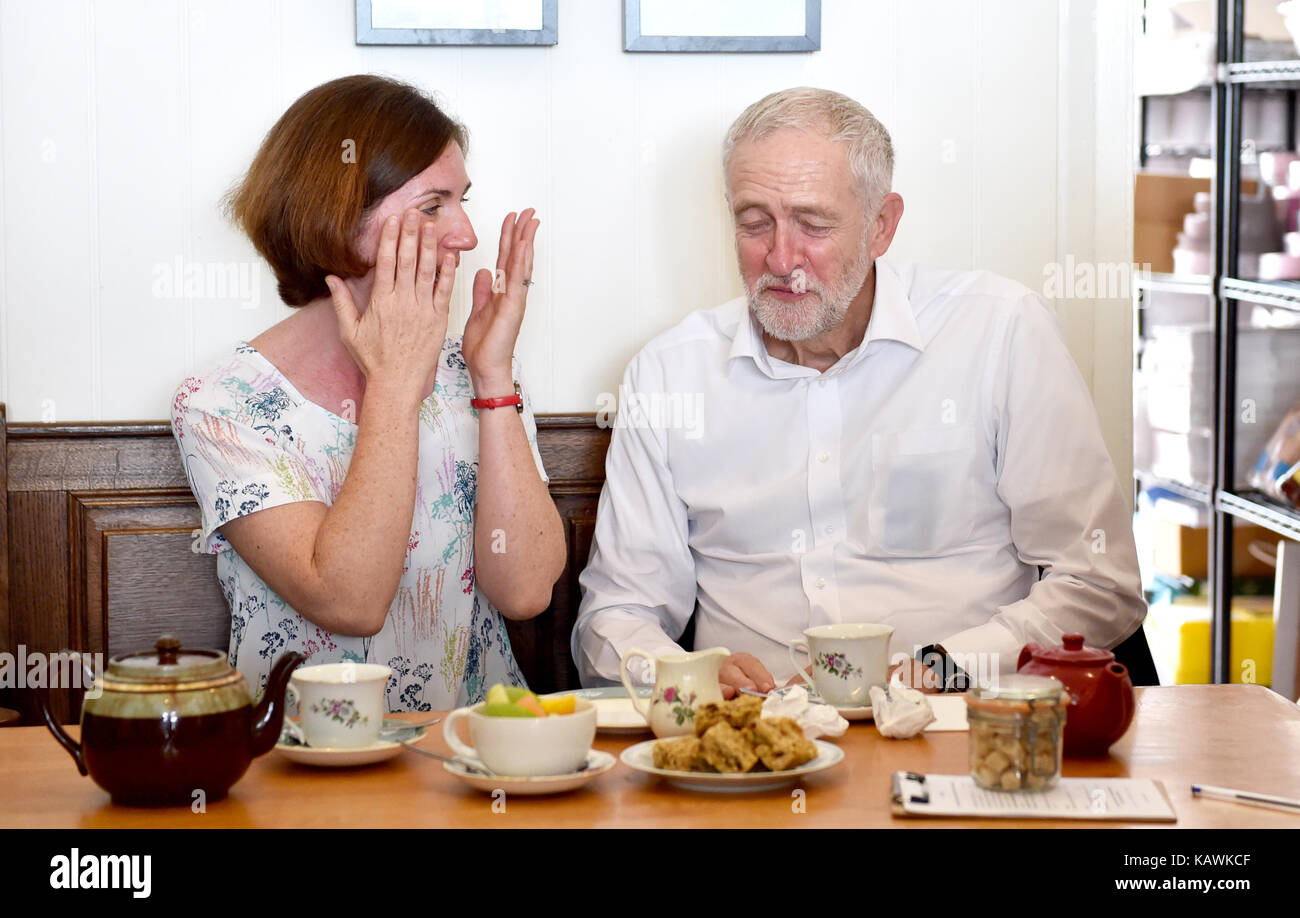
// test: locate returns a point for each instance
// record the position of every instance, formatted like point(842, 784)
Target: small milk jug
point(683, 682)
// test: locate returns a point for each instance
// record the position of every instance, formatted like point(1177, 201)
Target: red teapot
point(1101, 692)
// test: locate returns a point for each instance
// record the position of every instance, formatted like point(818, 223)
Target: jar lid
point(1018, 692)
point(167, 663)
point(1073, 651)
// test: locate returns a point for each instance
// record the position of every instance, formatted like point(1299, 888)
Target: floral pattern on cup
point(341, 710)
point(837, 664)
point(683, 705)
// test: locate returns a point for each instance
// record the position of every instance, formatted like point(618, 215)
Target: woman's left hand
point(498, 308)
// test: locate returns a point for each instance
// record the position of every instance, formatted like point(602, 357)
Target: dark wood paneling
point(134, 573)
point(57, 464)
point(38, 584)
point(154, 583)
point(99, 527)
point(573, 449)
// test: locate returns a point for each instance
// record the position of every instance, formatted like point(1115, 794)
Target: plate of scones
point(734, 748)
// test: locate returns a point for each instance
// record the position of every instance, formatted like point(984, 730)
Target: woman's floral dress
point(250, 441)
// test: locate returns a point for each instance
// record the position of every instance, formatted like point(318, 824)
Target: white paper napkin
point(902, 713)
point(816, 719)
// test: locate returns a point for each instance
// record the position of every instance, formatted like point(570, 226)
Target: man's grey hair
point(832, 115)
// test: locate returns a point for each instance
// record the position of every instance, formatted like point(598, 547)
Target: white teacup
point(525, 747)
point(340, 705)
point(847, 660)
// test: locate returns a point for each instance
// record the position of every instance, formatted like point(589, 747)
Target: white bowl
point(525, 746)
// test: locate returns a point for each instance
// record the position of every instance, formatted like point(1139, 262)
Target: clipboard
point(1093, 799)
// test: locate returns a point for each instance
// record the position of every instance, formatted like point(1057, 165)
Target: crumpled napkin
point(814, 718)
point(900, 712)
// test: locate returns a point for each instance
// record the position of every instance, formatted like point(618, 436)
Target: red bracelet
point(501, 402)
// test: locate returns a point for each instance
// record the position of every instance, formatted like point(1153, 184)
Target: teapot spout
point(268, 716)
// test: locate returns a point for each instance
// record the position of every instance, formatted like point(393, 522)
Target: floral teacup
point(340, 705)
point(847, 660)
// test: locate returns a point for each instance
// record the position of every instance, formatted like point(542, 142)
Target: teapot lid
point(1073, 651)
point(168, 663)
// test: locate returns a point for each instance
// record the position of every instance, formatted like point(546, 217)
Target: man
point(878, 443)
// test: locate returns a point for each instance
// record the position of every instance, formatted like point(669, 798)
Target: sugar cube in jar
point(1016, 732)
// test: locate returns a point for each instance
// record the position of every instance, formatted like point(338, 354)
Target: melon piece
point(530, 703)
point(507, 710)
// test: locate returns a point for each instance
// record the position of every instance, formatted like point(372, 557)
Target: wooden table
point(1230, 735)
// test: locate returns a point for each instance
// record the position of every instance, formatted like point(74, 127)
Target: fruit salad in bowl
point(516, 701)
point(515, 732)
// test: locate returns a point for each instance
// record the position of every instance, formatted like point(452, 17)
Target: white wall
point(121, 124)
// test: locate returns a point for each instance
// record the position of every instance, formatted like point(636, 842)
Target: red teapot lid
point(1074, 652)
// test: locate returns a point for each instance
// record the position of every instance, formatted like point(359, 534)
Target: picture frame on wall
point(457, 22)
point(722, 25)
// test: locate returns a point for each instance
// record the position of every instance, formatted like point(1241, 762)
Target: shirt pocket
point(921, 495)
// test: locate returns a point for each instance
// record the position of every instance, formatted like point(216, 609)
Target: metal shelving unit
point(1233, 79)
point(1184, 489)
point(1270, 293)
point(1173, 283)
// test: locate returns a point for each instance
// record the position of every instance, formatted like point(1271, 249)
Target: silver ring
point(528, 281)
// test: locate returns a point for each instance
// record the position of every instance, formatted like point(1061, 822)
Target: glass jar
point(1016, 732)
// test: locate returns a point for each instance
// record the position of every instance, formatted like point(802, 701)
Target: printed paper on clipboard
point(1124, 799)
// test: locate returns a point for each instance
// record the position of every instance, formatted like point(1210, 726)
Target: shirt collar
point(892, 319)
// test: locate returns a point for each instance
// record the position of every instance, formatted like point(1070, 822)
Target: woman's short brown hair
point(339, 150)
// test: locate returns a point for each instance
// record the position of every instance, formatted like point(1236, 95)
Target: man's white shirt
point(921, 482)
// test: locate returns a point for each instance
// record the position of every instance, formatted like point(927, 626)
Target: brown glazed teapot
point(1101, 693)
point(171, 723)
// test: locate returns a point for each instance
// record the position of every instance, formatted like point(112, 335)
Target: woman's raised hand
point(498, 310)
point(397, 341)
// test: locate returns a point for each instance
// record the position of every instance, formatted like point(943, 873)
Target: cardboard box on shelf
point(1184, 550)
point(1159, 204)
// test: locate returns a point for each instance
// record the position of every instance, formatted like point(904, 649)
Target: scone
point(727, 749)
point(780, 744)
point(708, 714)
point(739, 712)
point(744, 710)
point(680, 754)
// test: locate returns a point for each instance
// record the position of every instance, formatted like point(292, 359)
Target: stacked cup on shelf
point(1287, 199)
point(1268, 237)
point(1281, 178)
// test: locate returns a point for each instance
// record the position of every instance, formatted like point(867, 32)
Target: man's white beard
point(820, 309)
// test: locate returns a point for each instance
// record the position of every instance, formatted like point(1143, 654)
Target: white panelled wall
point(121, 124)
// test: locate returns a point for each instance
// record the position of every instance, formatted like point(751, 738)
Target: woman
point(360, 504)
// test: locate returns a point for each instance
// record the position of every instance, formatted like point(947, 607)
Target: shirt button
point(823, 457)
point(830, 530)
point(821, 583)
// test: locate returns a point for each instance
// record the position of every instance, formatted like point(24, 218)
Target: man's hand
point(742, 670)
point(917, 675)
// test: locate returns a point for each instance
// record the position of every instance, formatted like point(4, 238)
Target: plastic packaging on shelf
point(1279, 464)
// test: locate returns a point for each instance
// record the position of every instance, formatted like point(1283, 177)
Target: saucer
point(596, 765)
point(337, 757)
point(855, 713)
